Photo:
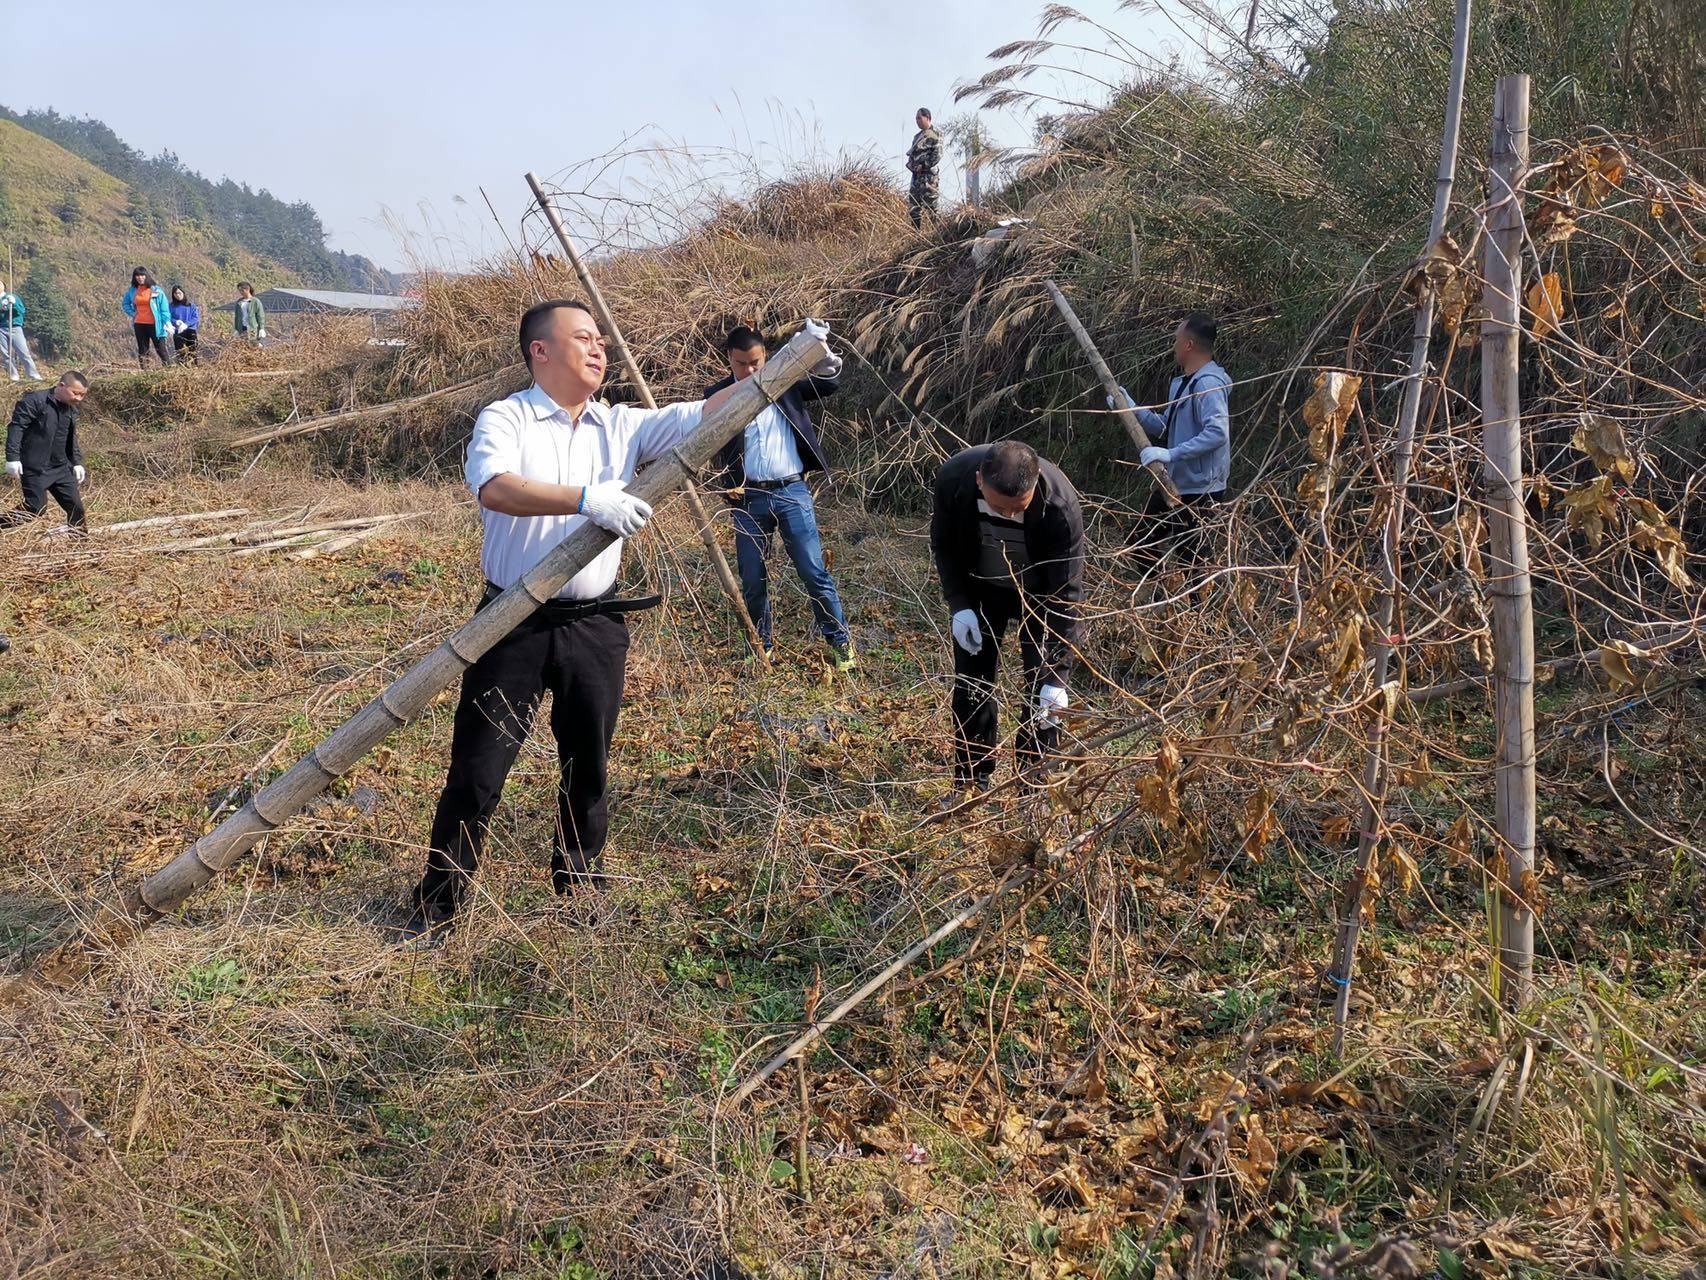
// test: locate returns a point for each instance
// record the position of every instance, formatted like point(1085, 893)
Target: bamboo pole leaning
point(1134, 428)
point(114, 923)
point(1508, 579)
point(1374, 773)
point(312, 425)
point(613, 332)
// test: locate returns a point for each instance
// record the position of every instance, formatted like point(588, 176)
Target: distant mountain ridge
point(165, 191)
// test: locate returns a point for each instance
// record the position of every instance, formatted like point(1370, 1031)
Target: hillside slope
point(75, 232)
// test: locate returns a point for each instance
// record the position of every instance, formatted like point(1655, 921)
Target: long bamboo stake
point(407, 696)
point(613, 332)
point(875, 983)
point(313, 425)
point(152, 522)
point(1374, 773)
point(1134, 428)
point(1507, 521)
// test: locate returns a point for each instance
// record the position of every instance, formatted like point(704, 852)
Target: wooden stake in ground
point(1507, 566)
point(407, 696)
point(707, 535)
point(1374, 772)
point(1134, 428)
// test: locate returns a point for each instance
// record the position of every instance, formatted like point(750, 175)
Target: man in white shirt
point(768, 464)
point(540, 462)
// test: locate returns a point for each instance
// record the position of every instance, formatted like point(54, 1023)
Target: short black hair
point(536, 317)
point(742, 338)
point(1011, 468)
point(1202, 328)
point(925, 112)
point(75, 375)
point(244, 284)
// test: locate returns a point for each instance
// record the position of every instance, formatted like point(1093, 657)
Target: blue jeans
point(790, 510)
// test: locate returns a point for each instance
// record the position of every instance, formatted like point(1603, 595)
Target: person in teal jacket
point(150, 316)
point(13, 349)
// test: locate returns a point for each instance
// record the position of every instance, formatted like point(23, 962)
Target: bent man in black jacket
point(1008, 536)
point(42, 452)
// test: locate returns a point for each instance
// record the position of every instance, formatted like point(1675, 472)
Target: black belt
point(773, 485)
point(573, 610)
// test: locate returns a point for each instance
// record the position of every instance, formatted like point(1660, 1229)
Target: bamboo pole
point(114, 923)
point(875, 983)
point(613, 332)
point(1507, 567)
point(153, 522)
point(1374, 773)
point(313, 425)
point(1134, 428)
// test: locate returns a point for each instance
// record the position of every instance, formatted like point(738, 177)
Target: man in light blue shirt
point(1194, 430)
point(768, 464)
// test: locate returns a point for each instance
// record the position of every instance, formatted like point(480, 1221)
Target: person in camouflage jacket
point(922, 161)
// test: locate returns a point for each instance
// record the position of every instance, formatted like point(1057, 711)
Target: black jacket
point(731, 458)
point(38, 422)
point(1054, 540)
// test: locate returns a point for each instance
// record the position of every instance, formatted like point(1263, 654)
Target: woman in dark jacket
point(186, 322)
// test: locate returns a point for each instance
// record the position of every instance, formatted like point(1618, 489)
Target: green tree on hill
point(49, 320)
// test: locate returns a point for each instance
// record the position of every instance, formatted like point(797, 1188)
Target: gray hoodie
point(1196, 426)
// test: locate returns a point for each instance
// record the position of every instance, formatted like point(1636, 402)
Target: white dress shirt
point(528, 434)
point(771, 453)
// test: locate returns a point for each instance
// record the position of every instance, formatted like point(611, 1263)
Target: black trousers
point(184, 345)
point(1173, 532)
point(976, 712)
point(145, 338)
point(583, 663)
point(62, 484)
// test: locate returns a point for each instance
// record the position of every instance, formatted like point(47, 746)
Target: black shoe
point(424, 927)
point(965, 793)
point(5, 642)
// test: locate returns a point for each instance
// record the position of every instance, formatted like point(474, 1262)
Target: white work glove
point(828, 367)
point(611, 507)
point(1129, 402)
point(1051, 698)
point(81, 474)
point(967, 633)
point(817, 329)
point(1155, 453)
point(262, 333)
point(15, 470)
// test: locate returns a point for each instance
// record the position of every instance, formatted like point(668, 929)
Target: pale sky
point(366, 106)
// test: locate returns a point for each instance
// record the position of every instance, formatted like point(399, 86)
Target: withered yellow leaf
point(1327, 410)
point(1546, 301)
point(1602, 439)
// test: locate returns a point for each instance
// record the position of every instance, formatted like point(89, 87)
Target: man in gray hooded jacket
point(1194, 428)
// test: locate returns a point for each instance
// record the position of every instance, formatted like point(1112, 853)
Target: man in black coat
point(42, 452)
point(1008, 536)
point(768, 464)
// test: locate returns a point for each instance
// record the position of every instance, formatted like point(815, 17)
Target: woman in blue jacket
point(150, 316)
point(186, 321)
